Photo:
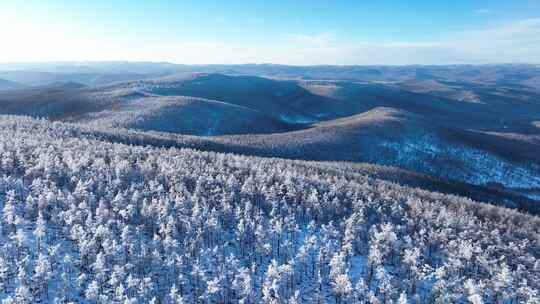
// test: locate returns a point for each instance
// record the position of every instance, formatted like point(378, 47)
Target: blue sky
point(289, 32)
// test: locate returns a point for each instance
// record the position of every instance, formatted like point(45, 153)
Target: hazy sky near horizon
point(301, 32)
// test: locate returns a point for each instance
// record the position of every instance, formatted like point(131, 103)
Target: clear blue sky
point(289, 32)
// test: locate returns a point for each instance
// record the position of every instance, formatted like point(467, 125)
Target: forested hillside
point(90, 220)
point(472, 131)
point(187, 115)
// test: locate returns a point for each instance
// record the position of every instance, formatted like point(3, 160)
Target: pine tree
point(42, 273)
point(93, 291)
point(402, 298)
point(342, 287)
point(5, 274)
point(175, 296)
point(39, 231)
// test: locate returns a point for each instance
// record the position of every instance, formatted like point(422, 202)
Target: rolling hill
point(55, 101)
point(186, 115)
point(9, 85)
point(393, 137)
point(150, 105)
point(284, 100)
point(46, 78)
point(421, 120)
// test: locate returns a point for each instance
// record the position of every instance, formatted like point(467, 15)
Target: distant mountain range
point(517, 74)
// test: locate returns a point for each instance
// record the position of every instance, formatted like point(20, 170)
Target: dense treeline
point(85, 220)
point(231, 145)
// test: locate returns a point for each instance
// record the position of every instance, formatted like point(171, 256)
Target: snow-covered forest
point(84, 220)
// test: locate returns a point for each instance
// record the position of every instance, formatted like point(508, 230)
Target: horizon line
point(260, 64)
